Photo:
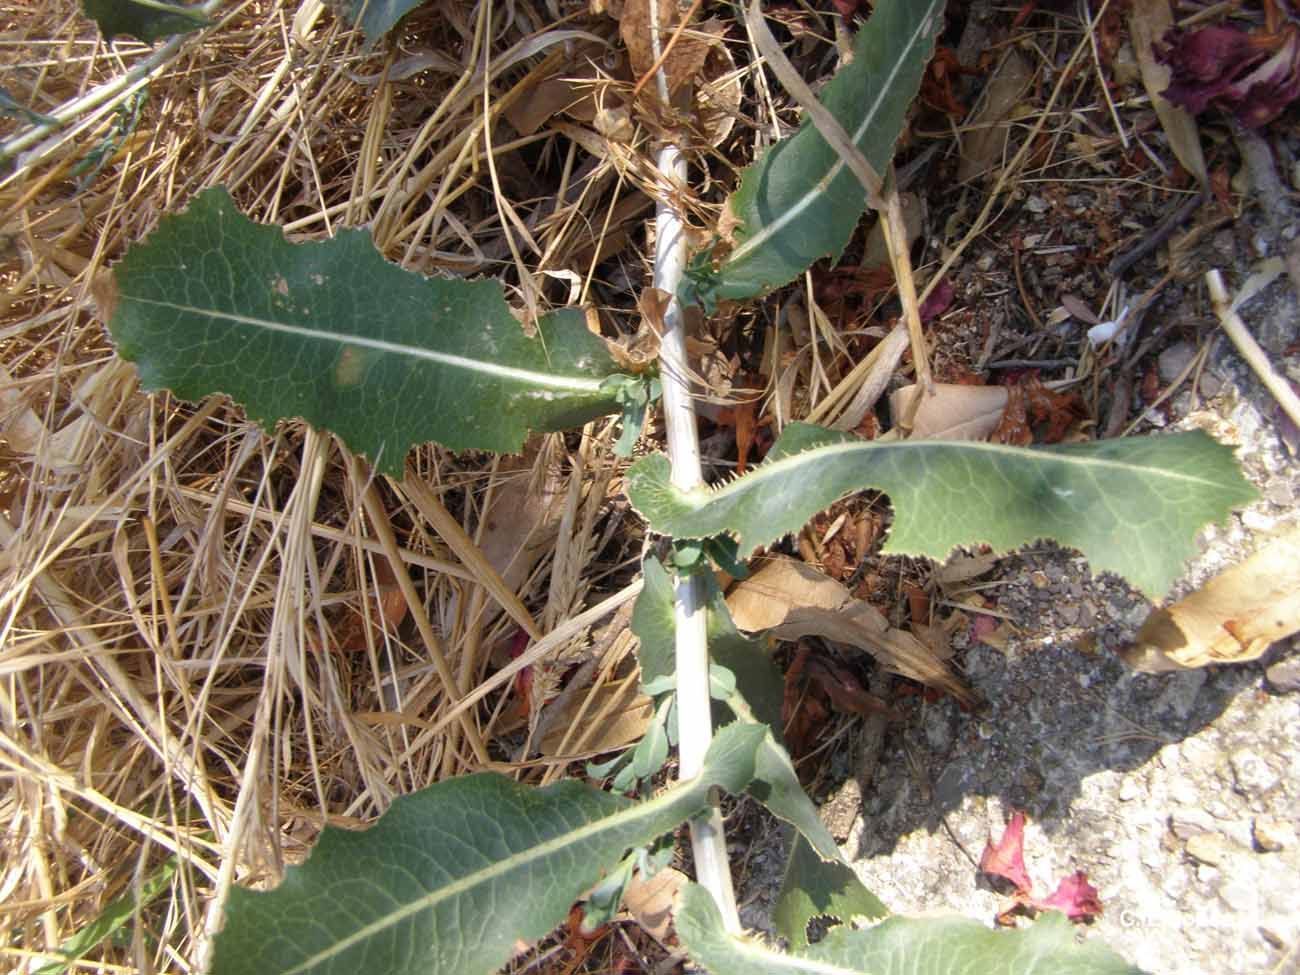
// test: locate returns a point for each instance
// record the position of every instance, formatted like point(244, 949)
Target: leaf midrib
point(570, 384)
point(495, 869)
point(776, 226)
point(703, 496)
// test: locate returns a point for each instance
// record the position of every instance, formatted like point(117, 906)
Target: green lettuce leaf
point(799, 202)
point(148, 20)
point(331, 332)
point(451, 878)
point(898, 946)
point(1132, 506)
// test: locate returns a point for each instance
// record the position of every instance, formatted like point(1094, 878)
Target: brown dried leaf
point(547, 99)
point(794, 600)
point(650, 901)
point(1148, 23)
point(1013, 427)
point(954, 412)
point(619, 726)
point(963, 568)
point(524, 516)
point(685, 61)
point(637, 353)
point(1231, 619)
point(983, 149)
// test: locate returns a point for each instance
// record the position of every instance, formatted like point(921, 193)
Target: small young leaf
point(331, 332)
point(659, 685)
point(652, 623)
point(112, 919)
point(652, 750)
point(814, 888)
point(1133, 507)
point(723, 551)
point(897, 946)
point(757, 697)
point(146, 19)
point(602, 902)
point(799, 202)
point(451, 877)
point(722, 682)
point(602, 770)
point(633, 394)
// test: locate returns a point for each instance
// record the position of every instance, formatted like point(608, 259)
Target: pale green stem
point(694, 723)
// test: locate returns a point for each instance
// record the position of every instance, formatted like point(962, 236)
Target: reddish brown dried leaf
point(844, 690)
point(847, 8)
point(940, 301)
point(1052, 413)
point(1013, 428)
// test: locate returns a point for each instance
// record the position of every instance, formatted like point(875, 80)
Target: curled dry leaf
point(525, 513)
point(619, 720)
point(1232, 618)
point(639, 352)
point(844, 690)
point(793, 600)
point(1006, 858)
point(685, 62)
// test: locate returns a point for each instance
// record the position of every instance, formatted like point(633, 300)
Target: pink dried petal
point(1074, 897)
point(1007, 859)
point(939, 301)
point(1253, 77)
point(1207, 54)
point(1262, 95)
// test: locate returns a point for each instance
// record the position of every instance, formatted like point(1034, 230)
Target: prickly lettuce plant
point(452, 877)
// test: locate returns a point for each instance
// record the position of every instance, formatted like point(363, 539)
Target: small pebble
point(1268, 934)
point(1129, 790)
point(1210, 849)
point(1284, 676)
point(1173, 360)
point(1253, 775)
point(1186, 822)
point(1280, 492)
point(1273, 835)
point(1257, 521)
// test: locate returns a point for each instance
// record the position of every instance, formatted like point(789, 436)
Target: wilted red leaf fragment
point(1007, 859)
point(1074, 897)
point(1252, 76)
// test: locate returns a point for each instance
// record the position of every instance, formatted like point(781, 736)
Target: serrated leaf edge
point(699, 497)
